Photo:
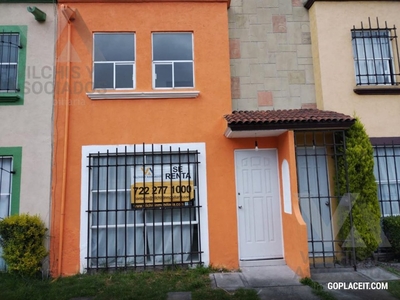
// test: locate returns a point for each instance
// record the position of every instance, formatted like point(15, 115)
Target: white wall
point(30, 125)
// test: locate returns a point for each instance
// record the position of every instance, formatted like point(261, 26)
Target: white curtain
point(177, 238)
point(5, 193)
point(372, 56)
point(118, 231)
point(387, 175)
point(113, 233)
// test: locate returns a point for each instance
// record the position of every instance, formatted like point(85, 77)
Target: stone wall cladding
point(271, 60)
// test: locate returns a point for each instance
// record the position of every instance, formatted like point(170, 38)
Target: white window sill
point(143, 95)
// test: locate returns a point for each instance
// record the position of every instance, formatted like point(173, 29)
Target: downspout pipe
point(40, 15)
point(69, 15)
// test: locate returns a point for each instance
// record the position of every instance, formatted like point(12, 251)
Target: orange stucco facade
point(294, 227)
point(80, 121)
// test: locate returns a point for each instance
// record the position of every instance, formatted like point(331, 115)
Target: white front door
point(258, 205)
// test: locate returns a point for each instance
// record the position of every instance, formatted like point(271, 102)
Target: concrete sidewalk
point(280, 282)
point(374, 274)
point(270, 282)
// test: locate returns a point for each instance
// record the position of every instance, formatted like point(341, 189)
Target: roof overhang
point(243, 124)
point(237, 134)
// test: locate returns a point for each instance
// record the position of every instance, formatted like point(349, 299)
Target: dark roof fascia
point(293, 126)
point(309, 3)
point(377, 141)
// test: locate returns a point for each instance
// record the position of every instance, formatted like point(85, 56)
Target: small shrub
point(391, 228)
point(22, 237)
point(357, 166)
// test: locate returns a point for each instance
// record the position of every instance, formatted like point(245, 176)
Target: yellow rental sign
point(161, 185)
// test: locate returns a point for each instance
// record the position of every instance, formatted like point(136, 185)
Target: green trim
point(18, 96)
point(16, 153)
point(9, 98)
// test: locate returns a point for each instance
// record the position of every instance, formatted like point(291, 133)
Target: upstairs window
point(13, 43)
point(9, 46)
point(373, 55)
point(114, 61)
point(173, 60)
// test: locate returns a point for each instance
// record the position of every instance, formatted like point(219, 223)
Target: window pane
point(121, 236)
point(124, 76)
point(103, 76)
point(8, 77)
point(183, 74)
point(114, 47)
point(372, 56)
point(9, 48)
point(172, 46)
point(5, 185)
point(4, 206)
point(163, 75)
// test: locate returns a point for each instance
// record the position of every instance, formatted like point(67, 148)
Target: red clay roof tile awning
point(290, 119)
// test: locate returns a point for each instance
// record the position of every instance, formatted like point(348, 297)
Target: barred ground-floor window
point(387, 176)
point(5, 193)
point(10, 182)
point(143, 208)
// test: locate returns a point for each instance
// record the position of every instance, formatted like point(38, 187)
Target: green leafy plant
point(391, 228)
point(22, 237)
point(356, 177)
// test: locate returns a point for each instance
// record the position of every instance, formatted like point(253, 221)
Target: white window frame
point(116, 63)
point(7, 191)
point(12, 63)
point(202, 190)
point(386, 204)
point(170, 62)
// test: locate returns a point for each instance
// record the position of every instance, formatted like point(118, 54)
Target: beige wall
point(270, 51)
point(331, 23)
point(30, 125)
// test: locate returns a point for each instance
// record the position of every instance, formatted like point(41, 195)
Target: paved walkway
point(280, 282)
point(368, 275)
point(270, 282)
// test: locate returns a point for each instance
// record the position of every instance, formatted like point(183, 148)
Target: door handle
point(240, 207)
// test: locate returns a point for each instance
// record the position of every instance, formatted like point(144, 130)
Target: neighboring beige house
point(334, 56)
point(357, 72)
point(346, 79)
point(270, 51)
point(26, 102)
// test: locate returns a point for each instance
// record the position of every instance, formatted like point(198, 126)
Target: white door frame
point(279, 199)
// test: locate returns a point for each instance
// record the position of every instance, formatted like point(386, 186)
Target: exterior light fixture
point(40, 16)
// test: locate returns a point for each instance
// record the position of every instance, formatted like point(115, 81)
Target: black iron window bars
point(9, 45)
point(376, 55)
point(144, 209)
point(6, 174)
point(318, 155)
point(387, 176)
